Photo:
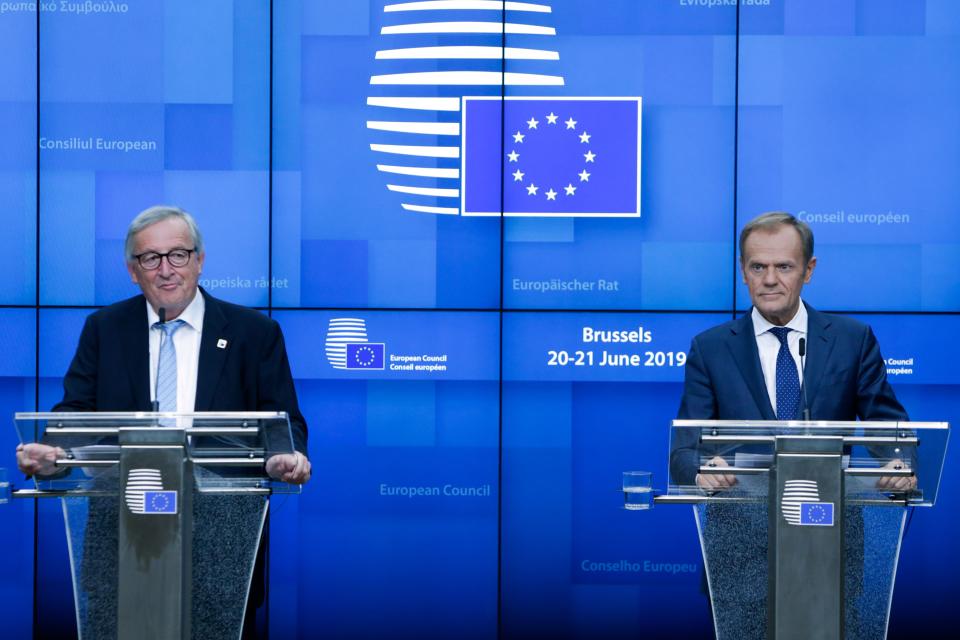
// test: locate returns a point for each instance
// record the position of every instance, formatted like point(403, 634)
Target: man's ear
point(810, 267)
point(132, 270)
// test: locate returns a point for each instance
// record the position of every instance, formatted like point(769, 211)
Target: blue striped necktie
point(788, 380)
point(167, 367)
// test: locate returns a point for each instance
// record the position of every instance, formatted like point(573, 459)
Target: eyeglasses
point(176, 258)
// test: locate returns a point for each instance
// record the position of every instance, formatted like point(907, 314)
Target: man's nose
point(165, 269)
point(770, 277)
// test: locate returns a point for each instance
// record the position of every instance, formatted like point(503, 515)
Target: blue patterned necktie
point(167, 367)
point(788, 381)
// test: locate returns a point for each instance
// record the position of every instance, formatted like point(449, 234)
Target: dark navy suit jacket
point(844, 375)
point(110, 370)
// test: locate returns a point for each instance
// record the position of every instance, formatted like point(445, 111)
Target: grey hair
point(770, 221)
point(157, 214)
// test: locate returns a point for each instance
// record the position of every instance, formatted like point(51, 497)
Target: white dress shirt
point(186, 340)
point(769, 346)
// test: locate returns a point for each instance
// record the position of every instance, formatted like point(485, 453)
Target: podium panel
point(225, 540)
point(733, 537)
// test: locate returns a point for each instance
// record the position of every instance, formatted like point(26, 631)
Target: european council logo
point(347, 346)
point(145, 495)
point(801, 504)
point(443, 143)
point(432, 54)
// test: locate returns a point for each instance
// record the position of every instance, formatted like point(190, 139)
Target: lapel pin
point(222, 343)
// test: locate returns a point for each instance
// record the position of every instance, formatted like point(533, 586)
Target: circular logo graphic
point(429, 56)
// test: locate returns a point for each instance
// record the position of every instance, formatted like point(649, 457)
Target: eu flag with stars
point(159, 501)
point(551, 156)
point(365, 355)
point(818, 514)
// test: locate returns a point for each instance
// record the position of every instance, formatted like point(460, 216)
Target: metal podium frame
point(806, 464)
point(157, 458)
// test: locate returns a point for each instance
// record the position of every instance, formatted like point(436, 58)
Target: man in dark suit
point(224, 358)
point(228, 358)
point(732, 374)
point(731, 369)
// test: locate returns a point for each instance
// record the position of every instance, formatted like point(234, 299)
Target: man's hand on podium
point(716, 482)
point(37, 459)
point(896, 483)
point(289, 467)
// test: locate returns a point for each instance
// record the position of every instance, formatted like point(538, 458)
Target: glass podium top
point(873, 452)
point(228, 449)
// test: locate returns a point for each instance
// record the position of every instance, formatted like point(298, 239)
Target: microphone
point(802, 347)
point(155, 405)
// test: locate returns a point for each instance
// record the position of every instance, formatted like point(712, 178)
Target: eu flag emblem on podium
point(160, 502)
point(816, 514)
point(556, 157)
point(365, 355)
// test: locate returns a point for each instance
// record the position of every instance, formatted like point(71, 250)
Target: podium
point(804, 544)
point(164, 514)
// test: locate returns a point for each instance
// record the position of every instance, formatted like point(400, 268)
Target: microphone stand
point(155, 405)
point(803, 387)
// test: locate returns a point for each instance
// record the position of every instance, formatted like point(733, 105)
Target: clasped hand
point(289, 467)
point(718, 481)
point(35, 459)
point(896, 483)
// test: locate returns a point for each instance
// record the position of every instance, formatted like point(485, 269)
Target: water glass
point(637, 490)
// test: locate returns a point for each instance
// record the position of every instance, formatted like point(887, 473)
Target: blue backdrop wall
point(470, 486)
